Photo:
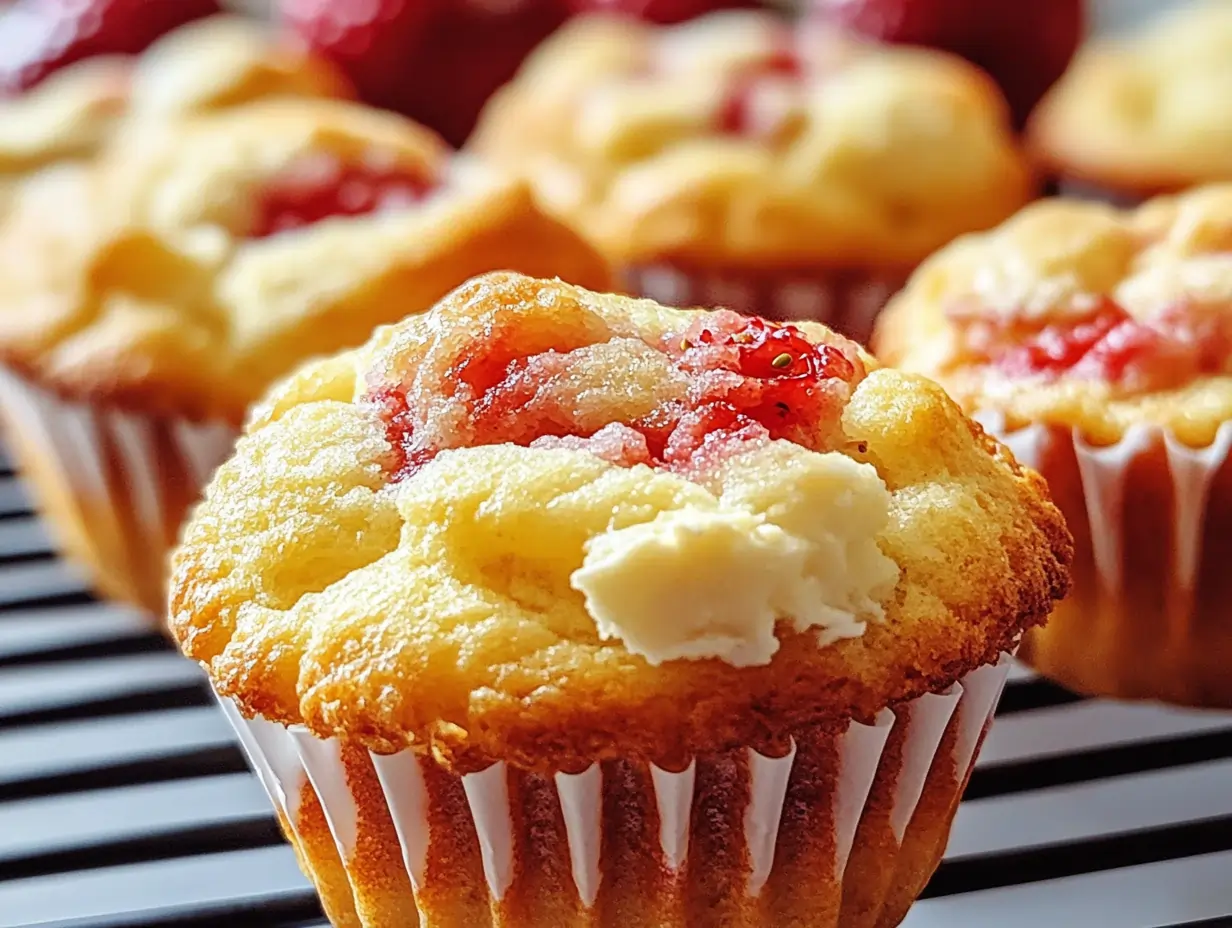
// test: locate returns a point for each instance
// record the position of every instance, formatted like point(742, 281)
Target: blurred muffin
point(735, 160)
point(645, 616)
point(1146, 113)
point(147, 298)
point(211, 64)
point(1098, 344)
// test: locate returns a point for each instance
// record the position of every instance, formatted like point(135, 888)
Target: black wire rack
point(124, 800)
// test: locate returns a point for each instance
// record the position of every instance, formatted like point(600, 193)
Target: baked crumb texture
point(1096, 342)
point(194, 264)
point(737, 142)
point(1145, 113)
point(207, 65)
point(388, 557)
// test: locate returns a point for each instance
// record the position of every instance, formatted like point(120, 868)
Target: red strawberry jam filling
point(1162, 351)
point(684, 403)
point(323, 186)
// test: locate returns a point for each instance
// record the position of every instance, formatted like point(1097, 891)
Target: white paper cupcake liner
point(847, 301)
point(115, 486)
point(872, 788)
point(1142, 595)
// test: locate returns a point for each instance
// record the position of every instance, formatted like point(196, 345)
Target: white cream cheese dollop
point(792, 536)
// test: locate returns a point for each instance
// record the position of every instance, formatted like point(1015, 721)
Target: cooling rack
point(125, 802)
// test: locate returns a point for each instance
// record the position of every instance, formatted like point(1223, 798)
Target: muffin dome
point(1147, 113)
point(207, 65)
point(1082, 315)
point(739, 140)
point(535, 522)
point(193, 264)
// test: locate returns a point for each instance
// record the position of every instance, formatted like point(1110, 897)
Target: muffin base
point(114, 486)
point(1149, 614)
point(846, 301)
point(843, 831)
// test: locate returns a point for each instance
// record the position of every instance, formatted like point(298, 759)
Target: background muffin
point(207, 65)
point(740, 161)
point(1098, 343)
point(1146, 113)
point(607, 563)
point(146, 299)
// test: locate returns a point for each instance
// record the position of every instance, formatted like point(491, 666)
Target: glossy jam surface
point(681, 403)
point(1162, 351)
point(324, 186)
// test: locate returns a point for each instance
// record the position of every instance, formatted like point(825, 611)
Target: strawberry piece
point(322, 187)
point(665, 12)
point(1057, 349)
point(1165, 350)
point(42, 36)
point(371, 40)
point(436, 61)
point(1024, 46)
point(770, 373)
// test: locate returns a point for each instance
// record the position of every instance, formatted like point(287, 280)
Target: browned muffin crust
point(302, 627)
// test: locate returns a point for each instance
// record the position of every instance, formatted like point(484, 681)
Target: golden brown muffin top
point(1083, 315)
point(550, 526)
point(1149, 112)
point(211, 64)
point(189, 267)
point(737, 140)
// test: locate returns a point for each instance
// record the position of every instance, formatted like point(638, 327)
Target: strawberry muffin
point(1098, 344)
point(736, 160)
point(645, 616)
point(209, 65)
point(1147, 113)
point(147, 298)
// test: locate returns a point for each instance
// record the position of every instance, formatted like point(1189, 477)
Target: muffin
point(215, 63)
point(1097, 343)
point(1147, 113)
point(148, 298)
point(736, 160)
point(644, 616)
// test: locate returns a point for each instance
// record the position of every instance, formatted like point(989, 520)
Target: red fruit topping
point(320, 187)
point(1165, 350)
point(728, 381)
point(666, 12)
point(1025, 46)
point(371, 40)
point(770, 373)
point(436, 61)
point(737, 112)
point(710, 431)
point(38, 37)
point(400, 432)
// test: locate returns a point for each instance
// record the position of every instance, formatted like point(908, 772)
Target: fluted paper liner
point(844, 828)
point(114, 486)
point(1152, 519)
point(846, 301)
